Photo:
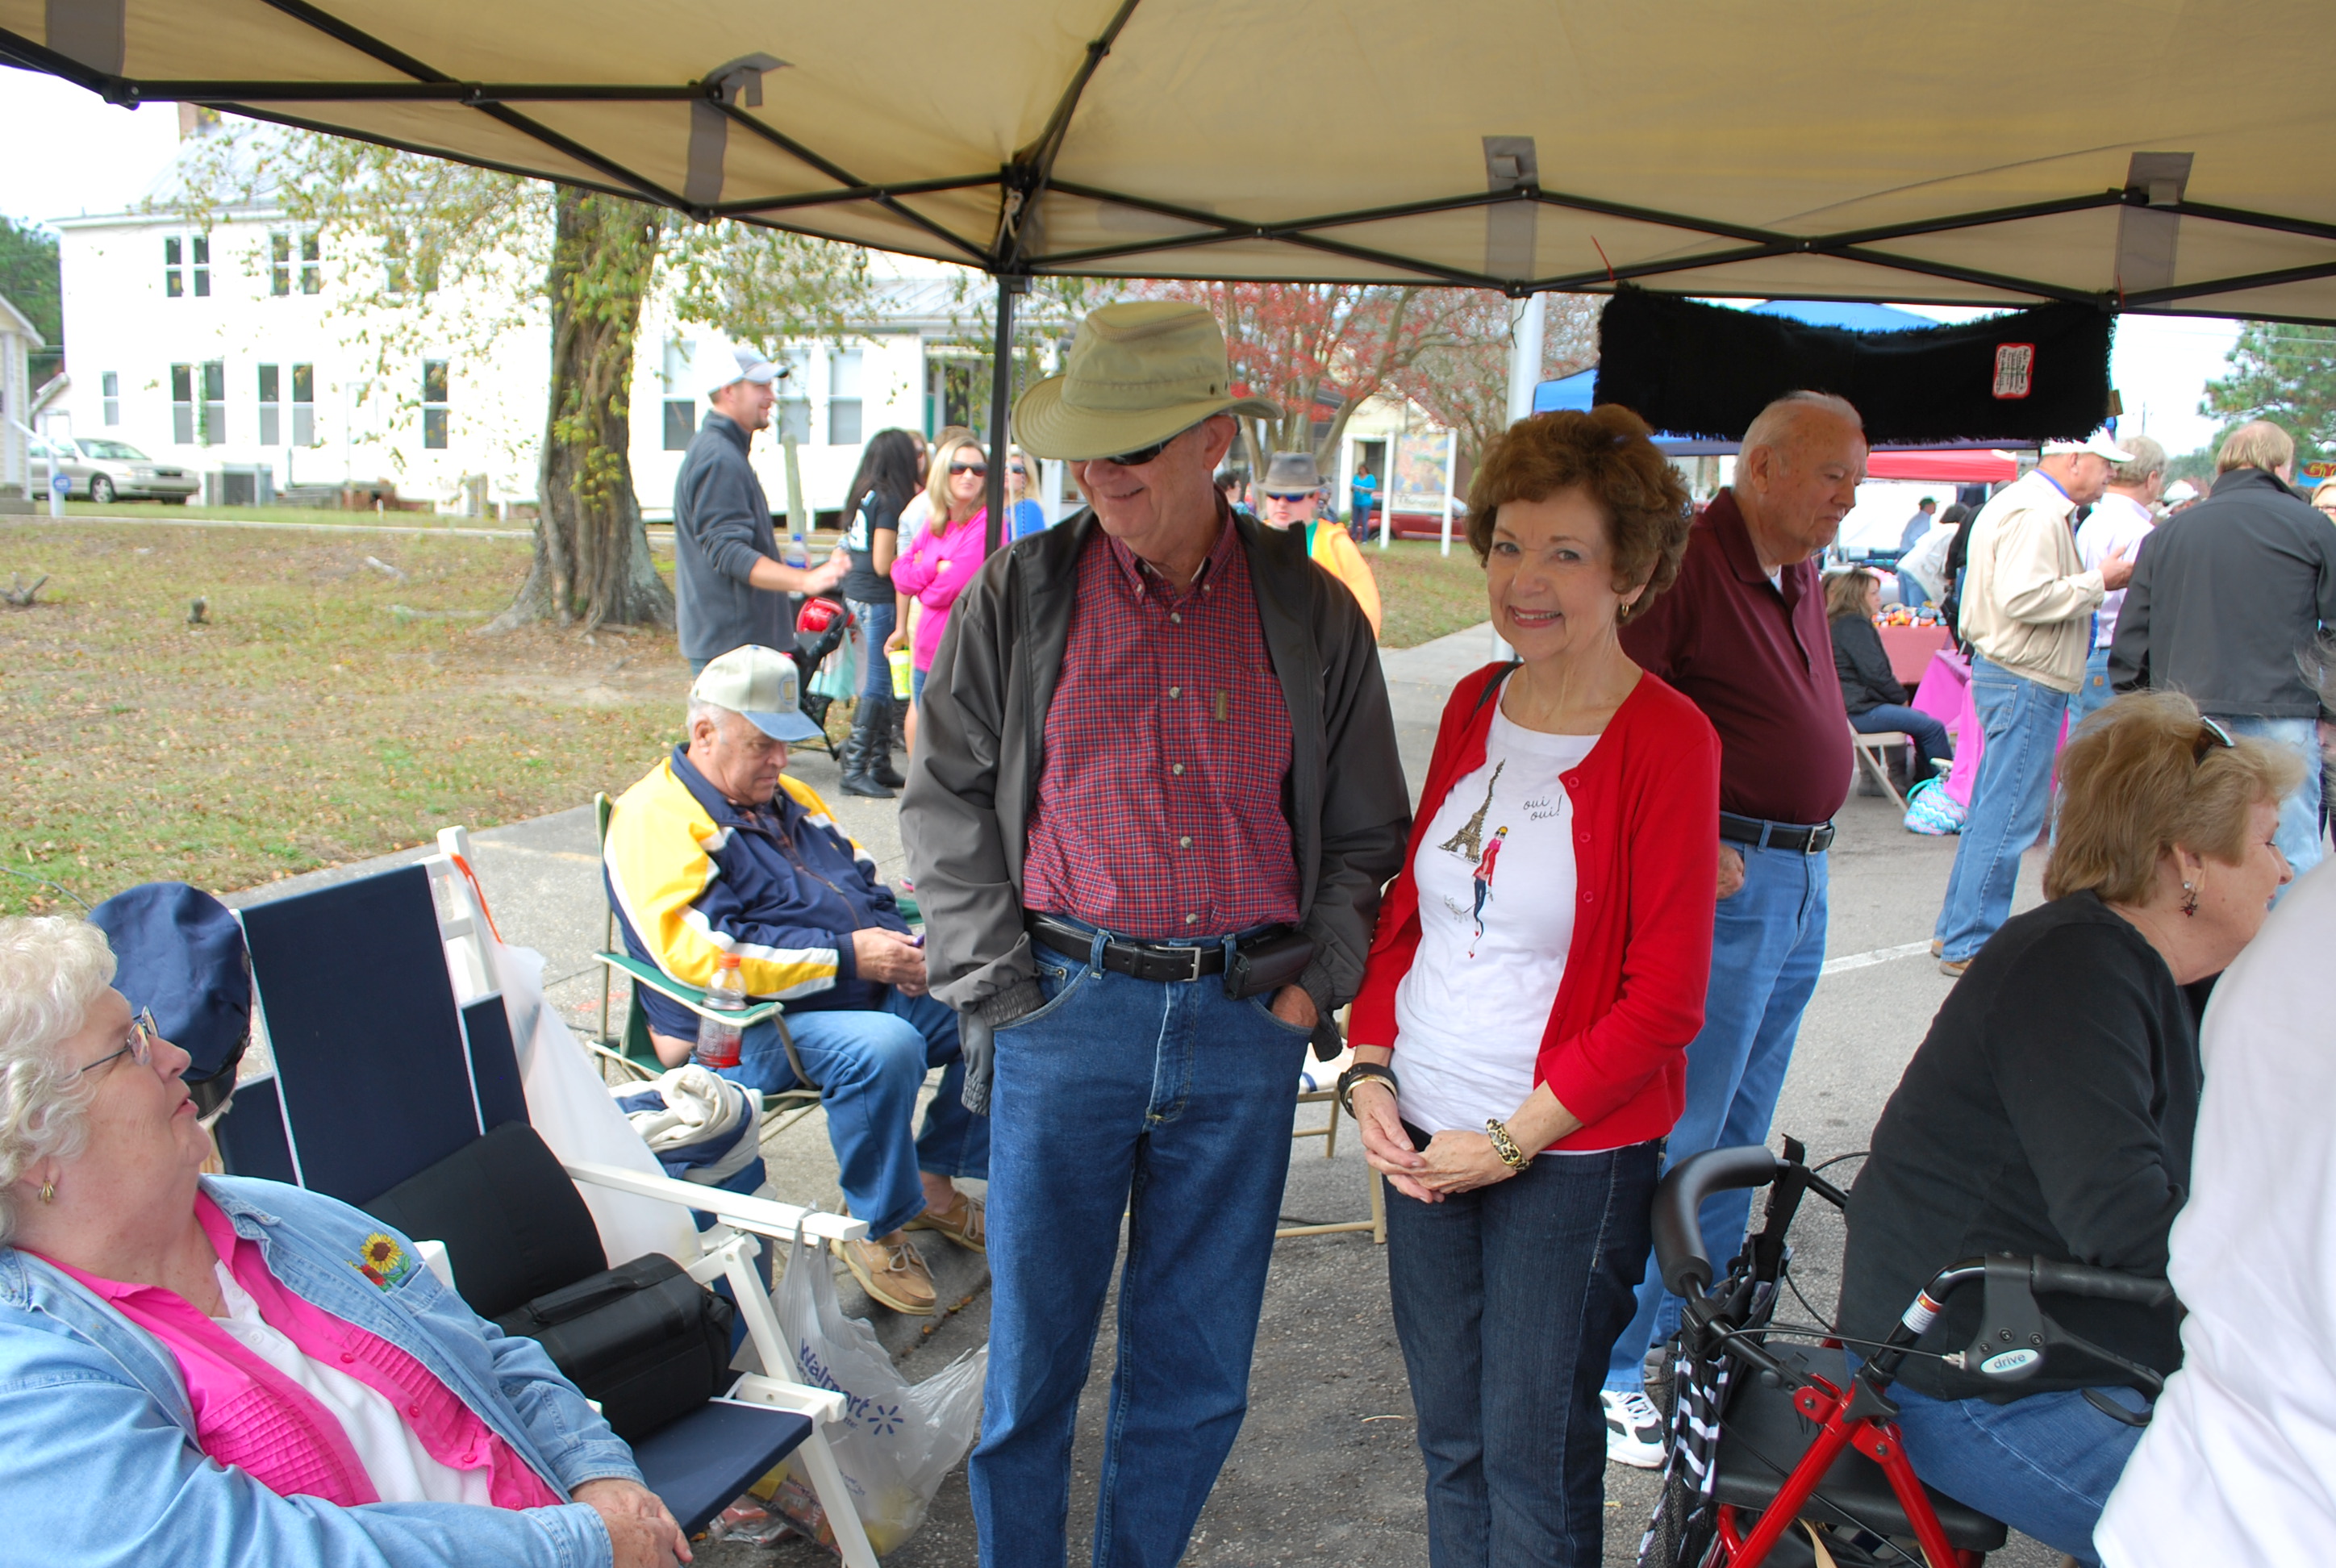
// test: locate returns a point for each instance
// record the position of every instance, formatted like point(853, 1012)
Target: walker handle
point(1679, 1234)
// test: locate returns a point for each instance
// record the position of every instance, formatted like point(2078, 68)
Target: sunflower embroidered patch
point(383, 1261)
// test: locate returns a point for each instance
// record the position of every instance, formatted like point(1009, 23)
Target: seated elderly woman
point(2049, 1111)
point(205, 1369)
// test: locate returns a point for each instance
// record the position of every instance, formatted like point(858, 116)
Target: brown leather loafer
point(892, 1274)
point(962, 1221)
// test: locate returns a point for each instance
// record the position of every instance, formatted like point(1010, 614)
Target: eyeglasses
point(1018, 470)
point(980, 469)
point(1290, 495)
point(2210, 735)
point(141, 1048)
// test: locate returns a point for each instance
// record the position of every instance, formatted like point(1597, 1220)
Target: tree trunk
point(592, 560)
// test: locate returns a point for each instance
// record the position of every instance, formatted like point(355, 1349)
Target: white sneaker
point(1634, 1429)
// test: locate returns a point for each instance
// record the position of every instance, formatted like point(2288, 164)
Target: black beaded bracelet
point(1356, 1074)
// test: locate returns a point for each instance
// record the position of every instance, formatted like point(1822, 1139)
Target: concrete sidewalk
point(1327, 1469)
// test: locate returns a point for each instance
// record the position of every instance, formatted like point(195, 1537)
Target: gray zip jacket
point(721, 526)
point(974, 779)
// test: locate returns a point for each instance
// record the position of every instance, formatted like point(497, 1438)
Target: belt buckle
point(1811, 845)
point(1195, 955)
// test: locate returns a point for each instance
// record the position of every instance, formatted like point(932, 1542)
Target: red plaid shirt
point(1159, 810)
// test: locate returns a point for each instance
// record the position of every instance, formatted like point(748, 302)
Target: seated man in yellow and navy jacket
point(717, 852)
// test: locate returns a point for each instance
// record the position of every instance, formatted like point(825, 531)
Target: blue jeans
point(2021, 720)
point(1910, 592)
point(2299, 837)
point(2043, 1465)
point(869, 1066)
point(2095, 694)
point(1507, 1301)
point(1767, 944)
point(876, 671)
point(916, 686)
point(1929, 735)
point(1171, 1102)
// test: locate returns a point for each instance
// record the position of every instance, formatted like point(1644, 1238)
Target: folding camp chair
point(632, 1055)
point(1328, 1132)
point(381, 1078)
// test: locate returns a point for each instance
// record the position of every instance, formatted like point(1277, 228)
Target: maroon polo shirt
point(1757, 659)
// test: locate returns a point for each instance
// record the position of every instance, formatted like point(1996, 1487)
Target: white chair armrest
point(761, 1215)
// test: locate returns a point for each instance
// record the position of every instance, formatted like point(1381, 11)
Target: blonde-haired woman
point(2050, 1111)
point(205, 1360)
point(943, 560)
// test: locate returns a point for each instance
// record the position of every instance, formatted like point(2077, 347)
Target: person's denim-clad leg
point(2094, 695)
point(1767, 944)
point(1929, 735)
point(869, 1067)
point(1174, 1103)
point(1910, 591)
point(876, 671)
point(2044, 1465)
point(1507, 1301)
point(2299, 837)
point(2021, 720)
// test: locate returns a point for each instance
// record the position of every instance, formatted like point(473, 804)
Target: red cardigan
point(1646, 805)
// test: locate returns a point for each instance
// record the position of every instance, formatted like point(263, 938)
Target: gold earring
point(48, 1191)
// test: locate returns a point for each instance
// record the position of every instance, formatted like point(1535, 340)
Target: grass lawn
point(167, 512)
point(329, 711)
point(1425, 595)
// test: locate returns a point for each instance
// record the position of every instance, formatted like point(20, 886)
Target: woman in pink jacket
point(942, 561)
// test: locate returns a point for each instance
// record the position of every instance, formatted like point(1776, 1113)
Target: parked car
point(103, 470)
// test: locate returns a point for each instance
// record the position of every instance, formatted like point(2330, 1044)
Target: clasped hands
point(1452, 1163)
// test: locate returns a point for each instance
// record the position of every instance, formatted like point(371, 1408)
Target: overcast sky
point(69, 152)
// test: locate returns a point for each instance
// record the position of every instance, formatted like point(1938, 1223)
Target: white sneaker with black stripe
point(1634, 1429)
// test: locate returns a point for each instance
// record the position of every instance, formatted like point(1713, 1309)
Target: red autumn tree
point(1462, 378)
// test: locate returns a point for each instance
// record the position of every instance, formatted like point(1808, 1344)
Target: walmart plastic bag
point(896, 1440)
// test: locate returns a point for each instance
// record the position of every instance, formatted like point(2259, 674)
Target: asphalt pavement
point(1326, 1469)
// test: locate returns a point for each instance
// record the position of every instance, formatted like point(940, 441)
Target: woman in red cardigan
point(1538, 970)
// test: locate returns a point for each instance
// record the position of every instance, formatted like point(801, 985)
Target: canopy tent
point(1952, 466)
point(1923, 154)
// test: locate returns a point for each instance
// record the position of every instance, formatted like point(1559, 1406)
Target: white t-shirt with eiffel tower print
point(1496, 886)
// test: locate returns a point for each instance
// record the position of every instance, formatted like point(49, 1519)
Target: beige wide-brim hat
point(1137, 373)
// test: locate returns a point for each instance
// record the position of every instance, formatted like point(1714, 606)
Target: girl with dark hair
point(892, 470)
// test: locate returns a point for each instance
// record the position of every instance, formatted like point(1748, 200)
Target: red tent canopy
point(1955, 466)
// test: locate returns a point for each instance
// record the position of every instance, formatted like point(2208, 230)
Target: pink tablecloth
point(1945, 696)
point(1910, 649)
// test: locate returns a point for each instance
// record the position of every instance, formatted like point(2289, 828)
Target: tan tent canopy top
point(2176, 159)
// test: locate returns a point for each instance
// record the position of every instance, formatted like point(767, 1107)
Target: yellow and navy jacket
point(693, 877)
point(1327, 546)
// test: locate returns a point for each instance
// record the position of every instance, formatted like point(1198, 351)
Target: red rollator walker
point(1777, 1455)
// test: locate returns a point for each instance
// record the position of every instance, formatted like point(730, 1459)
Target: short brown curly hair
point(1608, 452)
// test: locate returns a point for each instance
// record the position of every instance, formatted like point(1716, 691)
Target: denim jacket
point(98, 1460)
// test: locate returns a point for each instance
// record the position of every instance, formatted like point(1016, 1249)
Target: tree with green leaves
point(30, 280)
point(435, 251)
point(2285, 373)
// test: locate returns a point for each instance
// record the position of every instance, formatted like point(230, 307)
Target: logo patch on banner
point(2015, 369)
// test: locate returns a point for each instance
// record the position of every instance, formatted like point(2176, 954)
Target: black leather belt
point(1144, 960)
point(1808, 840)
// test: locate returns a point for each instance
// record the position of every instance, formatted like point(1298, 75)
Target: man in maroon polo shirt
point(1155, 798)
point(1743, 634)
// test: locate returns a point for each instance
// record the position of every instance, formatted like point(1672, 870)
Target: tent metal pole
point(1001, 387)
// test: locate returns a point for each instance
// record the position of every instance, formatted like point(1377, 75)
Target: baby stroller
point(819, 626)
point(1772, 1459)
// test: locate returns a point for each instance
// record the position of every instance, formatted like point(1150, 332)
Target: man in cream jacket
point(2028, 607)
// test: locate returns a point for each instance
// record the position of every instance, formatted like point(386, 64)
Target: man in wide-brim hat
point(1293, 500)
point(1156, 796)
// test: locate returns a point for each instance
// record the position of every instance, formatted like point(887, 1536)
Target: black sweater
point(2049, 1112)
point(1867, 680)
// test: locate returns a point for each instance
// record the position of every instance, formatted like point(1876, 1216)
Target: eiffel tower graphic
point(1468, 843)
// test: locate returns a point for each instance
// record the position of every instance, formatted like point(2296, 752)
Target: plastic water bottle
point(717, 1038)
point(794, 553)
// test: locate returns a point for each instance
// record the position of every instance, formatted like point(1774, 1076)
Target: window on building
point(680, 394)
point(434, 404)
point(214, 425)
point(304, 405)
point(312, 264)
point(110, 385)
point(271, 407)
point(182, 404)
point(794, 396)
point(200, 245)
point(843, 397)
point(279, 263)
point(174, 265)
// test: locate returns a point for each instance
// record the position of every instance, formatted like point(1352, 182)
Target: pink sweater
point(933, 573)
point(248, 1414)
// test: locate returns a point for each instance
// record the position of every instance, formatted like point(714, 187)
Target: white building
point(18, 339)
point(271, 361)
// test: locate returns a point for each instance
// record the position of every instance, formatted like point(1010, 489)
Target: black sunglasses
point(2210, 735)
point(979, 468)
point(1290, 494)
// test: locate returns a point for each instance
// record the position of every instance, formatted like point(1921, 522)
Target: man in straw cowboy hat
point(1157, 798)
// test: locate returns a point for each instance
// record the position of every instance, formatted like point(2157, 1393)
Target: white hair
point(700, 708)
point(51, 972)
point(1776, 426)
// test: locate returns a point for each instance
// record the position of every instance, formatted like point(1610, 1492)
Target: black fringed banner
point(1704, 370)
